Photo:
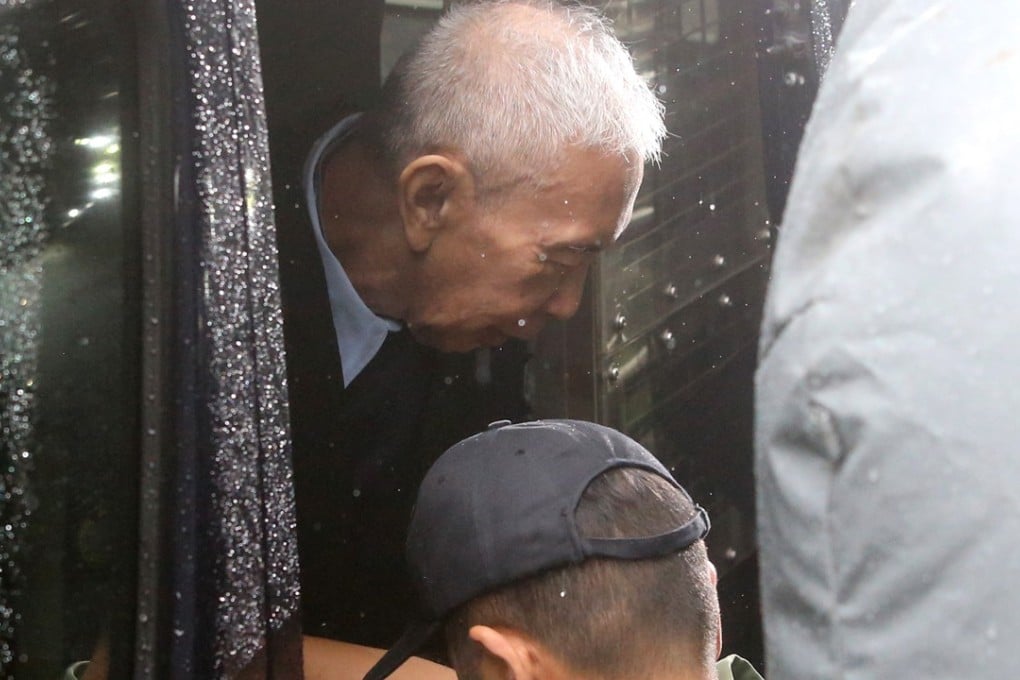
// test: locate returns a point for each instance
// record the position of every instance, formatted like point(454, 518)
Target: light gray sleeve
point(888, 391)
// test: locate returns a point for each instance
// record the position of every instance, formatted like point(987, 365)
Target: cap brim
point(414, 637)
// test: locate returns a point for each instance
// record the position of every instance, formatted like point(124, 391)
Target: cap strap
point(650, 546)
point(416, 635)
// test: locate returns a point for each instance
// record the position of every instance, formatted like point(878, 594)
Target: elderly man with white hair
point(464, 210)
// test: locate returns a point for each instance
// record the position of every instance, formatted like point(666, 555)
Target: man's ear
point(714, 575)
point(432, 191)
point(506, 654)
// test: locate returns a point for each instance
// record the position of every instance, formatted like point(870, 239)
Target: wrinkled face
point(507, 268)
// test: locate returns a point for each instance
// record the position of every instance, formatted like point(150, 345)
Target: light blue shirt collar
point(360, 332)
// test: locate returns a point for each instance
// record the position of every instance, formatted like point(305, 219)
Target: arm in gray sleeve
point(888, 390)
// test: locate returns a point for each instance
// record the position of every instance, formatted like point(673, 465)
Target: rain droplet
point(563, 593)
point(873, 475)
point(542, 257)
point(521, 322)
point(357, 493)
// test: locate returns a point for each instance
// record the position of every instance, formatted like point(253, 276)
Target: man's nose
point(564, 302)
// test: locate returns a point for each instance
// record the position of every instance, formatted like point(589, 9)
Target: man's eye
point(583, 254)
point(575, 258)
point(566, 257)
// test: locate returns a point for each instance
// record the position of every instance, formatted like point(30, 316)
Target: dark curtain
point(234, 601)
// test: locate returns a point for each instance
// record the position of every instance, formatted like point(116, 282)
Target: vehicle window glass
point(663, 346)
point(69, 341)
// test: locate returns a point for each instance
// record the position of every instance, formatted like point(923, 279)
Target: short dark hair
point(605, 617)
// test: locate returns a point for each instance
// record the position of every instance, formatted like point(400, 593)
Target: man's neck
point(363, 227)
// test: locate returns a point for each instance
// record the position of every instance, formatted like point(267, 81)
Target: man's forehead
point(588, 167)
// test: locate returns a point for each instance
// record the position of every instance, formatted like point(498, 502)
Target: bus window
point(663, 346)
point(69, 344)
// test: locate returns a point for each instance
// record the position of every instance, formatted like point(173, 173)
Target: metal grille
point(678, 301)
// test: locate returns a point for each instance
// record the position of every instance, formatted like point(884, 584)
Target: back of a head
point(512, 83)
point(608, 618)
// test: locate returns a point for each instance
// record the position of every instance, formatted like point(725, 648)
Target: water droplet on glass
point(521, 322)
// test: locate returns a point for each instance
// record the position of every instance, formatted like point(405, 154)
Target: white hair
point(513, 83)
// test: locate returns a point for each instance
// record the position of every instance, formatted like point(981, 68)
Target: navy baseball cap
point(499, 507)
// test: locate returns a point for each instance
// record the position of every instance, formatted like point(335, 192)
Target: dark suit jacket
point(357, 452)
point(363, 440)
point(360, 452)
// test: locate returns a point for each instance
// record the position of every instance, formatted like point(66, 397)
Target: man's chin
point(494, 339)
point(459, 342)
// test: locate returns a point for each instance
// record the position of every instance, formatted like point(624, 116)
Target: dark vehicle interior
point(94, 250)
